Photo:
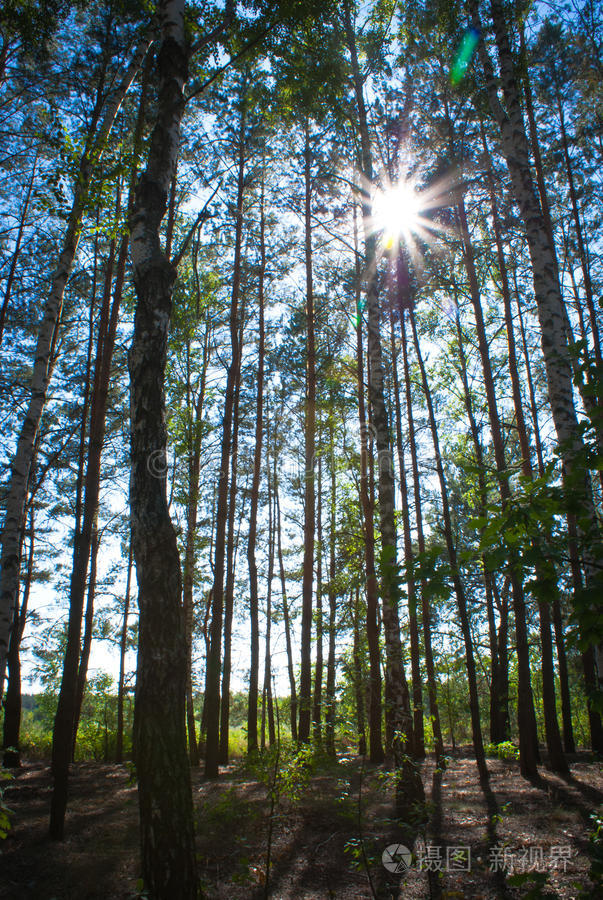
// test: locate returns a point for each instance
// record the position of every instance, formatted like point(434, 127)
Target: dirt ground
point(326, 843)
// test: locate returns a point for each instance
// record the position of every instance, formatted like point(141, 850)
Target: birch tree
point(160, 750)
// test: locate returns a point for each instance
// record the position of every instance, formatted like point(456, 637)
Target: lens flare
point(466, 50)
point(396, 211)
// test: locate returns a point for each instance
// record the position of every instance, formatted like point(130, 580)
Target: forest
point(301, 475)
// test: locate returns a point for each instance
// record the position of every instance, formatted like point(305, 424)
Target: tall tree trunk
point(65, 725)
point(286, 621)
point(188, 575)
point(75, 664)
point(267, 689)
point(358, 674)
point(252, 706)
point(160, 751)
point(559, 639)
point(16, 495)
point(332, 595)
point(194, 471)
point(409, 787)
point(212, 694)
point(376, 753)
point(526, 716)
point(569, 744)
point(425, 605)
point(476, 728)
point(12, 701)
point(64, 722)
point(551, 311)
point(502, 604)
point(231, 553)
point(529, 379)
point(82, 672)
point(588, 662)
point(535, 146)
point(123, 645)
point(415, 649)
point(305, 677)
point(542, 192)
point(232, 544)
point(498, 705)
point(545, 570)
point(318, 668)
point(594, 717)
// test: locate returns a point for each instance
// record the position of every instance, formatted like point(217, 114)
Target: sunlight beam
point(397, 211)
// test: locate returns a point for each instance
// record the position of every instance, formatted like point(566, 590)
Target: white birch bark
point(160, 750)
point(552, 314)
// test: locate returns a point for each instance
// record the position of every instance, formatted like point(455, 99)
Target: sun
point(397, 211)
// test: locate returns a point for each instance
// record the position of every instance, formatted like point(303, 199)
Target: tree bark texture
point(160, 751)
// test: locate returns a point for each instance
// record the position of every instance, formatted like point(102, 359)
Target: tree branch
point(202, 217)
point(256, 40)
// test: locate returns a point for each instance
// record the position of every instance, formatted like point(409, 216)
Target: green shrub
point(36, 737)
point(504, 750)
point(296, 765)
point(237, 742)
point(595, 850)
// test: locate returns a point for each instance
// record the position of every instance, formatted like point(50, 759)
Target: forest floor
point(324, 843)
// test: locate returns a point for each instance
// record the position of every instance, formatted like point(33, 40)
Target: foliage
point(97, 730)
point(364, 852)
point(5, 811)
point(535, 882)
point(595, 849)
point(295, 769)
point(504, 750)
